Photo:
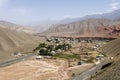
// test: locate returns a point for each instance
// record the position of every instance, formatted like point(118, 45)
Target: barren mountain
point(12, 41)
point(89, 27)
point(16, 27)
point(112, 72)
point(41, 26)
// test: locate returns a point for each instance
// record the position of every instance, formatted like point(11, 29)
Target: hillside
point(113, 71)
point(12, 41)
point(16, 27)
point(89, 27)
point(112, 48)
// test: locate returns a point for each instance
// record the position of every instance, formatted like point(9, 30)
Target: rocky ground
point(34, 70)
point(54, 69)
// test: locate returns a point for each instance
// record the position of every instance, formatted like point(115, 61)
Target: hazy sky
point(27, 11)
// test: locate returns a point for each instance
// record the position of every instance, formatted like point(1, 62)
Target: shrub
point(45, 52)
point(41, 45)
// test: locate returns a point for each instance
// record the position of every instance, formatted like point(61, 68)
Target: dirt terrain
point(54, 69)
point(34, 70)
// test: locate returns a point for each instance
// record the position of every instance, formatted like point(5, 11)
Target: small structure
point(111, 58)
point(47, 57)
point(99, 57)
point(53, 52)
point(59, 51)
point(97, 62)
point(17, 54)
point(80, 62)
point(95, 48)
point(38, 57)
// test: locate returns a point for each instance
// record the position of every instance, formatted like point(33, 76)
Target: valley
point(50, 41)
point(65, 63)
point(74, 58)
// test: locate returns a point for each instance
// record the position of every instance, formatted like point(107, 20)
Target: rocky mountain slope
point(112, 72)
point(89, 27)
point(16, 27)
point(45, 24)
point(112, 48)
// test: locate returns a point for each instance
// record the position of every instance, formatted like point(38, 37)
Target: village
point(64, 57)
point(75, 52)
point(84, 51)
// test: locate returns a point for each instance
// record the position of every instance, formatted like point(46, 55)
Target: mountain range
point(86, 28)
point(107, 24)
point(114, 15)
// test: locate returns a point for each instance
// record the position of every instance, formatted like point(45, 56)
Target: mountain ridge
point(16, 27)
point(89, 27)
point(114, 15)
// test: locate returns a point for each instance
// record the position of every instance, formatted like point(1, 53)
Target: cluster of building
point(53, 46)
point(59, 45)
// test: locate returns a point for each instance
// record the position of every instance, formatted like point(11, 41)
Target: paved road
point(87, 74)
point(12, 61)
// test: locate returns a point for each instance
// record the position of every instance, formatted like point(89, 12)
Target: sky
point(28, 11)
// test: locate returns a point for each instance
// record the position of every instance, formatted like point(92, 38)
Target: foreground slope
point(112, 48)
point(12, 41)
point(112, 72)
